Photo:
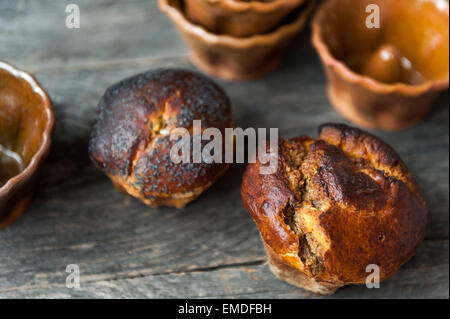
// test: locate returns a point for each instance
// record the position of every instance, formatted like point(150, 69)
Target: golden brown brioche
point(131, 139)
point(335, 205)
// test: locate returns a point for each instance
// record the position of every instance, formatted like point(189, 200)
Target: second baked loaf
point(131, 139)
point(336, 205)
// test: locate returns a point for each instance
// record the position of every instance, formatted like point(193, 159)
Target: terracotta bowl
point(239, 18)
point(26, 122)
point(387, 77)
point(236, 58)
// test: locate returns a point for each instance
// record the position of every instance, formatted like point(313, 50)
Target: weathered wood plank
point(78, 217)
point(425, 275)
point(293, 99)
point(33, 34)
point(127, 249)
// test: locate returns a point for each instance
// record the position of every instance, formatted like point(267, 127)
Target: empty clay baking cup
point(26, 122)
point(386, 77)
point(239, 18)
point(236, 58)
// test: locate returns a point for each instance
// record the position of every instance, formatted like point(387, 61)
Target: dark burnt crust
point(370, 148)
point(127, 140)
point(156, 175)
point(334, 174)
point(360, 195)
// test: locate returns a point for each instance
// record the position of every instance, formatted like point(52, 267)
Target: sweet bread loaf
point(131, 140)
point(335, 205)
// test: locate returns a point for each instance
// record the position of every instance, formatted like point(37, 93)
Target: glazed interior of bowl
point(23, 121)
point(411, 45)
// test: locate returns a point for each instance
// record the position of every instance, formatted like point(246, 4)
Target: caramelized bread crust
point(131, 140)
point(336, 205)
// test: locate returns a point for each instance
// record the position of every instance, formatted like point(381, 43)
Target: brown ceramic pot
point(384, 78)
point(236, 58)
point(239, 18)
point(26, 122)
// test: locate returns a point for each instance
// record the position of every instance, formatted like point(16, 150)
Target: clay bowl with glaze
point(239, 18)
point(388, 77)
point(233, 58)
point(26, 123)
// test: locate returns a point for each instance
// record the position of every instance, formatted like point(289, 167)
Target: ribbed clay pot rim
point(239, 43)
point(362, 80)
point(45, 144)
point(257, 6)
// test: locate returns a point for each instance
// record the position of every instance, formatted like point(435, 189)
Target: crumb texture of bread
point(131, 141)
point(335, 205)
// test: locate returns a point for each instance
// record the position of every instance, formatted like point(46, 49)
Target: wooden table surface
point(211, 248)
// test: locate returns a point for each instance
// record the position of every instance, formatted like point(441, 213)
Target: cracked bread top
point(131, 138)
point(337, 204)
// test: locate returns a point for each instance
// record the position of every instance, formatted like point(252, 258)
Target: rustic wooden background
point(211, 248)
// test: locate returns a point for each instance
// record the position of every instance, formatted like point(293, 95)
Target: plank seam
point(139, 274)
point(106, 64)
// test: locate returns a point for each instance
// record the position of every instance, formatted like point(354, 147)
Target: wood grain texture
point(211, 248)
point(34, 36)
point(256, 281)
